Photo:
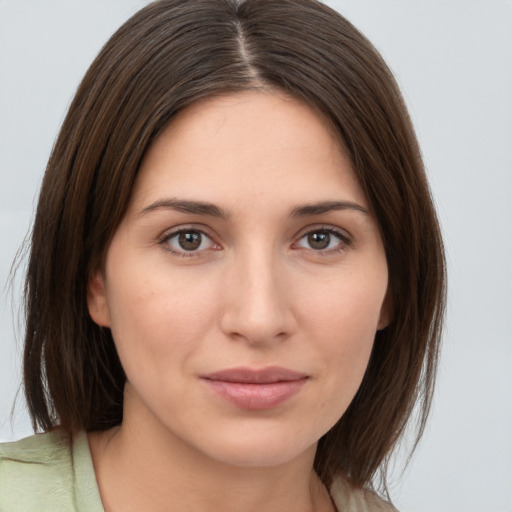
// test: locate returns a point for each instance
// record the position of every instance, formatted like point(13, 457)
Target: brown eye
point(323, 240)
point(319, 240)
point(190, 241)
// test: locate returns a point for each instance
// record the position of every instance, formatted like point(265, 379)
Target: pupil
point(189, 241)
point(319, 240)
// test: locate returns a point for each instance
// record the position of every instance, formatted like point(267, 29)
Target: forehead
point(252, 145)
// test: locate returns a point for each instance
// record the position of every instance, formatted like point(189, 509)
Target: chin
point(260, 447)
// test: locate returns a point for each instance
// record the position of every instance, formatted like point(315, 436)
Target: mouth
point(256, 389)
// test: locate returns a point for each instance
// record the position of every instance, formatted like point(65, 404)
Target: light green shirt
point(45, 473)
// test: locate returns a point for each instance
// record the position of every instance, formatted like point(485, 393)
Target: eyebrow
point(180, 205)
point(326, 207)
point(212, 210)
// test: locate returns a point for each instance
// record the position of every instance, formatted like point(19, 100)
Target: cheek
point(345, 312)
point(346, 345)
point(158, 317)
point(343, 325)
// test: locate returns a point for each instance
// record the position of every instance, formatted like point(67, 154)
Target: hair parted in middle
point(168, 56)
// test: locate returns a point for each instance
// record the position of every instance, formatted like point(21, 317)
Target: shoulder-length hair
point(167, 56)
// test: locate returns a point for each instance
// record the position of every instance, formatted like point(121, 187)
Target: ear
point(386, 311)
point(97, 300)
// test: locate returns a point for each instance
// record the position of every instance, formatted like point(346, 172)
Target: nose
point(256, 302)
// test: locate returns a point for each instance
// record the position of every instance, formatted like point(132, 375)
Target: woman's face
point(246, 282)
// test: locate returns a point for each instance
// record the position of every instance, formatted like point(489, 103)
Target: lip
point(256, 389)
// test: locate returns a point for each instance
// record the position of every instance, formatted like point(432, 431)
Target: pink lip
point(256, 389)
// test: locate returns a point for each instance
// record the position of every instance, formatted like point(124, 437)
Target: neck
point(142, 466)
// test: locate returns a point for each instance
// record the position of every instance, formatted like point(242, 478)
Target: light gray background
point(453, 59)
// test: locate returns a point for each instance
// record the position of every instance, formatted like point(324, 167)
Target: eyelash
point(183, 253)
point(343, 238)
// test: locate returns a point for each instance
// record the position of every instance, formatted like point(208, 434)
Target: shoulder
point(36, 473)
point(350, 499)
point(40, 448)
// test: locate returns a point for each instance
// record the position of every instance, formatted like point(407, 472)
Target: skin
point(256, 292)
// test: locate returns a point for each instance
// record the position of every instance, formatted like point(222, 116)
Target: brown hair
point(169, 55)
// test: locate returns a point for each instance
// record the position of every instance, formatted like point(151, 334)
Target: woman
point(236, 280)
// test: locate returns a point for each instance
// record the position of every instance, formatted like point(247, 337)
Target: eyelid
point(343, 236)
point(175, 231)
